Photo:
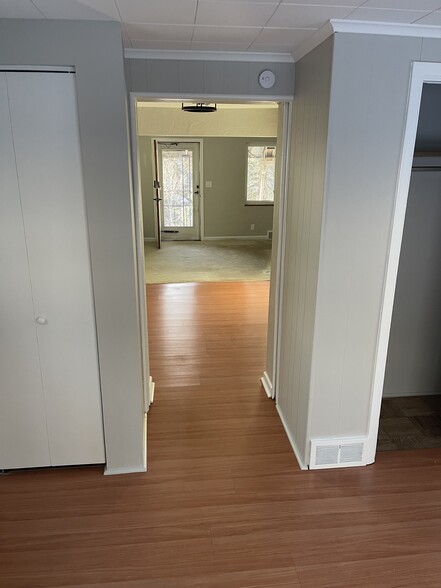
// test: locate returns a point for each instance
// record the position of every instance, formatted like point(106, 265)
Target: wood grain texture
point(223, 504)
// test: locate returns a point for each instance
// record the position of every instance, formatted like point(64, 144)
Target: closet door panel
point(46, 137)
point(23, 433)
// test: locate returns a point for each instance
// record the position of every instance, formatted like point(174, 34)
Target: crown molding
point(364, 28)
point(208, 56)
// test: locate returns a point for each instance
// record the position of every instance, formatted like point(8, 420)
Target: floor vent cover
point(337, 453)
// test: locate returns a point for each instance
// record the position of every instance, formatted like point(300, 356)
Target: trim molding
point(139, 469)
point(302, 465)
point(151, 390)
point(267, 386)
point(188, 55)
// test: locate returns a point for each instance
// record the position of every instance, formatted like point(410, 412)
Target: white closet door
point(23, 434)
point(46, 139)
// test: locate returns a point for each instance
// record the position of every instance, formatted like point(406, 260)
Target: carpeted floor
point(410, 422)
point(225, 260)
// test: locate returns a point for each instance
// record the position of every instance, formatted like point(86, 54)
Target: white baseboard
point(136, 469)
point(235, 237)
point(149, 238)
point(151, 390)
point(302, 465)
point(267, 386)
point(409, 394)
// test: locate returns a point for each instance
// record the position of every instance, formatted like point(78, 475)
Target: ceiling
point(262, 26)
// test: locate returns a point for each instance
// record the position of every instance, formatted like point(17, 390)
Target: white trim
point(141, 468)
point(149, 239)
point(47, 68)
point(302, 465)
point(364, 28)
point(385, 28)
point(151, 390)
point(422, 72)
point(227, 98)
point(208, 55)
point(267, 386)
point(139, 248)
point(280, 244)
point(250, 237)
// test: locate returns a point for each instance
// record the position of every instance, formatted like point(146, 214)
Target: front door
point(179, 177)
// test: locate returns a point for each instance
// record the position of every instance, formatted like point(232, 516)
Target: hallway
point(223, 504)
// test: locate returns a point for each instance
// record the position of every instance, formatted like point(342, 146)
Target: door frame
point(421, 73)
point(276, 281)
point(180, 139)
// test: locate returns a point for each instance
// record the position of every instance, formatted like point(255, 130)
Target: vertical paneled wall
point(302, 247)
point(370, 82)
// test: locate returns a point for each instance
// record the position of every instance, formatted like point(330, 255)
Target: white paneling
point(368, 105)
point(234, 13)
point(225, 34)
point(303, 235)
point(158, 11)
point(157, 32)
point(23, 434)
point(289, 15)
point(78, 10)
point(19, 9)
point(46, 140)
point(381, 15)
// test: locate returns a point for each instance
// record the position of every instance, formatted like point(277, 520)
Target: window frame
point(259, 144)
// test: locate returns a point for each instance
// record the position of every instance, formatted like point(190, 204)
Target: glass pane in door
point(177, 187)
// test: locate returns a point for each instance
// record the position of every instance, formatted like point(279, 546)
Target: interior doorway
point(265, 231)
point(407, 385)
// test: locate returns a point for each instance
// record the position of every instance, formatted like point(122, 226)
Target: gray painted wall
point(369, 92)
point(302, 248)
point(207, 77)
point(414, 355)
point(225, 213)
point(429, 123)
point(95, 49)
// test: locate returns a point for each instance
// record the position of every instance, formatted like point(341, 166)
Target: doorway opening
point(411, 407)
point(210, 225)
point(407, 381)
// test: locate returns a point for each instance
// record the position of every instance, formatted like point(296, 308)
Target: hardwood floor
point(224, 504)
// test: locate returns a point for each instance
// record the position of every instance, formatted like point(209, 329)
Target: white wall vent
point(337, 453)
point(269, 235)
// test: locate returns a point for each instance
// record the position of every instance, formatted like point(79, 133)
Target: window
point(260, 174)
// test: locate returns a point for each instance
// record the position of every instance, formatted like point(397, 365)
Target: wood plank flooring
point(224, 504)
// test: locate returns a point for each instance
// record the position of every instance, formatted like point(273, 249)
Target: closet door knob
point(41, 320)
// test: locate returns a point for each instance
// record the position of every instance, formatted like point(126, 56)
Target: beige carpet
point(226, 260)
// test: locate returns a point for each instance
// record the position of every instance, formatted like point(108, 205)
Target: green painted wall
point(225, 213)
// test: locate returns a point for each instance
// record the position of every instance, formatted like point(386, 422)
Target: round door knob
point(41, 320)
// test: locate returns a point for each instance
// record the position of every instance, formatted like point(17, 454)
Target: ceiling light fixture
point(199, 107)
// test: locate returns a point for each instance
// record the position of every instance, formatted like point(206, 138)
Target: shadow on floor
point(410, 422)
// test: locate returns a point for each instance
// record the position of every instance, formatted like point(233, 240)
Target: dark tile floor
point(410, 422)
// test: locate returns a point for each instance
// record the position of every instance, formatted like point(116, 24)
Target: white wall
point(302, 248)
point(414, 354)
point(95, 49)
point(370, 82)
